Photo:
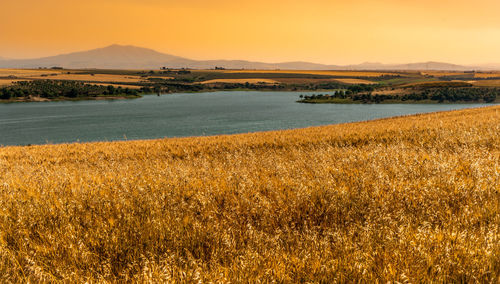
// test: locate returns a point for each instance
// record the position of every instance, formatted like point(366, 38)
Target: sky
point(322, 31)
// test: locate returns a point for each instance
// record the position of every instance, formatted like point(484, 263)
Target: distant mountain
point(489, 66)
point(131, 57)
point(432, 66)
point(368, 66)
point(411, 66)
point(114, 56)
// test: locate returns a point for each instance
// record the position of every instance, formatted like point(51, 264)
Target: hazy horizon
point(320, 31)
point(244, 59)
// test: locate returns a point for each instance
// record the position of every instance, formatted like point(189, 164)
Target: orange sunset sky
point(332, 32)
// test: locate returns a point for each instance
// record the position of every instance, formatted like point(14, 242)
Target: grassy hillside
point(414, 199)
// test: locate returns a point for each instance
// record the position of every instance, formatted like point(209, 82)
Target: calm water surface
point(180, 115)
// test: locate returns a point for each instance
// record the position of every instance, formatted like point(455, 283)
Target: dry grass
point(412, 199)
point(390, 91)
point(493, 74)
point(27, 72)
point(241, 81)
point(487, 75)
point(62, 75)
point(316, 72)
point(315, 81)
point(7, 82)
point(355, 81)
point(94, 78)
point(442, 73)
point(436, 84)
point(487, 83)
point(304, 80)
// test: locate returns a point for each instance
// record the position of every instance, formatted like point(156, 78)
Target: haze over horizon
point(320, 31)
point(121, 46)
point(133, 57)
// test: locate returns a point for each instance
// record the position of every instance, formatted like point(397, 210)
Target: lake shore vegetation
point(361, 87)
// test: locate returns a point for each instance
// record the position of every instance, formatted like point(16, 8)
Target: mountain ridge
point(132, 57)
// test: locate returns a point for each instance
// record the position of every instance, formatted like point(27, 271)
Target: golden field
point(487, 75)
point(4, 83)
point(93, 78)
point(442, 73)
point(409, 199)
point(304, 80)
point(49, 74)
point(28, 72)
point(487, 83)
point(8, 82)
point(355, 81)
point(241, 81)
point(319, 72)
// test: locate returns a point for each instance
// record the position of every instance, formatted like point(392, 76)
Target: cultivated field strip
point(409, 199)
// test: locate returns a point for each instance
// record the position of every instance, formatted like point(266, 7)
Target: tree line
point(487, 95)
point(51, 89)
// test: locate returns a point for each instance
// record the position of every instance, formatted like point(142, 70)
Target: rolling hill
point(132, 57)
point(430, 65)
point(114, 56)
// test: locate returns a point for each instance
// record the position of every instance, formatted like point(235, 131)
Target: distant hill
point(114, 56)
point(490, 66)
point(132, 57)
point(410, 66)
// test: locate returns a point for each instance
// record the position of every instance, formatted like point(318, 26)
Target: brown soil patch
point(241, 81)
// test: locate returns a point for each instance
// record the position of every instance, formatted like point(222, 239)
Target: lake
point(180, 115)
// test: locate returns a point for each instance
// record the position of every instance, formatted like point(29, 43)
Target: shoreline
point(247, 133)
point(388, 102)
point(304, 101)
point(44, 100)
